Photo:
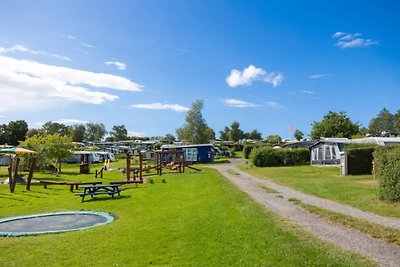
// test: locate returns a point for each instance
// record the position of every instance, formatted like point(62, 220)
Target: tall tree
point(119, 132)
point(235, 132)
point(55, 127)
point(298, 135)
point(169, 137)
point(14, 132)
point(78, 132)
point(274, 139)
point(94, 131)
point(334, 125)
point(224, 135)
point(255, 135)
point(195, 129)
point(383, 123)
point(396, 123)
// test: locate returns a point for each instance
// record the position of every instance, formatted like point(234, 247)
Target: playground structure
point(13, 172)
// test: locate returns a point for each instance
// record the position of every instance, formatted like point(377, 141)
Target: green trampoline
point(53, 222)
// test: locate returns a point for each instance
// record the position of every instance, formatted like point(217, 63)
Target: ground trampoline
point(53, 222)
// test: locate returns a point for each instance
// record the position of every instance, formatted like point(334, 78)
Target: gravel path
point(385, 254)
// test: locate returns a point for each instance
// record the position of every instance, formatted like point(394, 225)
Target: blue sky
point(265, 64)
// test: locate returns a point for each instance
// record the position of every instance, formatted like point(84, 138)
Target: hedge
point(246, 151)
point(387, 166)
point(360, 160)
point(269, 157)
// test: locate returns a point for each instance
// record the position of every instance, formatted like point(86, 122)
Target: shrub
point(387, 164)
point(360, 158)
point(246, 151)
point(268, 157)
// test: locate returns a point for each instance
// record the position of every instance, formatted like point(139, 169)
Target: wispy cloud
point(239, 103)
point(251, 74)
point(307, 92)
point(273, 104)
point(134, 133)
point(351, 40)
point(20, 48)
point(161, 106)
point(71, 121)
point(119, 65)
point(319, 76)
point(39, 86)
point(75, 39)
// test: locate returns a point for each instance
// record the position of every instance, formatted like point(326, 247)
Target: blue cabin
point(203, 153)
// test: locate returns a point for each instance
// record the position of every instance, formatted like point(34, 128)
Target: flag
point(291, 128)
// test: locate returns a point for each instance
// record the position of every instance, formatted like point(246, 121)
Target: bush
point(268, 157)
point(360, 158)
point(387, 164)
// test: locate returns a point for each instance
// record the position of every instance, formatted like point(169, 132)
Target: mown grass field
point(360, 191)
point(193, 219)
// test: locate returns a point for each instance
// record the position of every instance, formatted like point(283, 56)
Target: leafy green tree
point(224, 135)
point(54, 127)
point(13, 132)
point(384, 122)
point(94, 131)
point(255, 135)
point(195, 129)
point(396, 123)
point(34, 131)
point(274, 139)
point(78, 132)
point(298, 135)
point(169, 137)
point(50, 148)
point(235, 132)
point(334, 125)
point(119, 132)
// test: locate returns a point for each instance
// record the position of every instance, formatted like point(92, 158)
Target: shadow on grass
point(105, 198)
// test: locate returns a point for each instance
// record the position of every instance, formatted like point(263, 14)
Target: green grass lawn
point(194, 219)
point(360, 191)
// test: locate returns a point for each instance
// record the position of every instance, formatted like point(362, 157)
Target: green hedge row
point(360, 160)
point(269, 157)
point(387, 167)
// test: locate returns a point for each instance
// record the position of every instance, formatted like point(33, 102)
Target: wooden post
point(14, 178)
point(140, 166)
point(10, 169)
point(30, 175)
point(128, 166)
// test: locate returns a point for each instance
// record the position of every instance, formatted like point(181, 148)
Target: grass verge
point(387, 234)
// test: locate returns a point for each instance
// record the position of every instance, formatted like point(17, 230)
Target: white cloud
point(239, 103)
point(307, 92)
point(119, 65)
point(274, 105)
point(161, 106)
point(71, 121)
point(41, 86)
point(134, 133)
point(23, 49)
point(71, 37)
point(251, 74)
point(349, 40)
point(319, 76)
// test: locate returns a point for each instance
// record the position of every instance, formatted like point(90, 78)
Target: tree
point(224, 135)
point(383, 123)
point(54, 127)
point(78, 132)
point(334, 125)
point(274, 139)
point(396, 123)
point(298, 135)
point(169, 137)
point(119, 132)
point(14, 132)
point(50, 148)
point(235, 132)
point(94, 131)
point(195, 127)
point(255, 135)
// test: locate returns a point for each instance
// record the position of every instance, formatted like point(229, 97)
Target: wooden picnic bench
point(92, 190)
point(46, 183)
point(77, 184)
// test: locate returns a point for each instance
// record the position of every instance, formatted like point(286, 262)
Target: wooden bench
point(128, 182)
point(77, 184)
point(46, 183)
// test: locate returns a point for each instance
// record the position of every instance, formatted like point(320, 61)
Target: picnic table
point(92, 190)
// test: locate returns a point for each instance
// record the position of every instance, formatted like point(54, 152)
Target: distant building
point(202, 153)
